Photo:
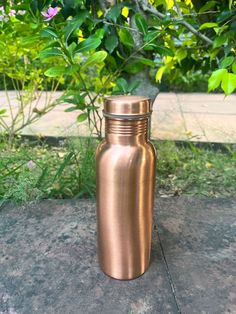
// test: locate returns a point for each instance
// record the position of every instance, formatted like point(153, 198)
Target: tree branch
point(148, 8)
point(190, 27)
point(178, 9)
point(197, 33)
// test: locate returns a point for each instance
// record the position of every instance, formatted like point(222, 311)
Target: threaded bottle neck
point(128, 129)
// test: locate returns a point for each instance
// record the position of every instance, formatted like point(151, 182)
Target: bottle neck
point(126, 132)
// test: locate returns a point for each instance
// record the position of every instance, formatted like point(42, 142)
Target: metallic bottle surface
point(125, 164)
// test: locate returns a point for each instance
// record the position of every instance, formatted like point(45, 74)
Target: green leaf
point(29, 40)
point(230, 4)
point(134, 67)
point(71, 69)
point(126, 38)
point(122, 85)
point(208, 25)
point(3, 111)
point(95, 58)
point(133, 85)
point(227, 62)
point(215, 79)
point(56, 71)
point(74, 24)
point(48, 32)
point(74, 98)
point(209, 5)
point(228, 83)
point(149, 38)
point(164, 51)
point(81, 106)
point(219, 41)
point(61, 168)
point(234, 67)
point(50, 52)
point(88, 44)
point(146, 61)
point(150, 46)
point(225, 16)
point(114, 12)
point(181, 54)
point(111, 42)
point(70, 109)
point(71, 48)
point(214, 53)
point(82, 117)
point(91, 107)
point(141, 23)
point(99, 33)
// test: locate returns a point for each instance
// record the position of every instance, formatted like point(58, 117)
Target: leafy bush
point(106, 47)
point(21, 70)
point(112, 42)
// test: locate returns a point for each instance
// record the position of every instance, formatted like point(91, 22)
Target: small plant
point(21, 70)
point(34, 172)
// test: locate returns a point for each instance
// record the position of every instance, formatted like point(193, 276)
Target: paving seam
point(181, 112)
point(208, 113)
point(170, 280)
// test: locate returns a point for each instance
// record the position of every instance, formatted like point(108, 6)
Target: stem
point(4, 125)
point(11, 128)
point(8, 98)
point(70, 61)
point(148, 8)
point(122, 26)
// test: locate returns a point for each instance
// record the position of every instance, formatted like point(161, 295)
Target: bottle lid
point(127, 107)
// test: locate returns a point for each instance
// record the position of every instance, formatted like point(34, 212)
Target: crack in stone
point(169, 274)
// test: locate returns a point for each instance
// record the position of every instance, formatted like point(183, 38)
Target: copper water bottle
point(125, 165)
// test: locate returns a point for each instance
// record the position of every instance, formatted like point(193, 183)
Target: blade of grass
point(62, 166)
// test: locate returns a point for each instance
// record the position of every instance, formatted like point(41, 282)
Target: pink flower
point(12, 13)
point(50, 13)
point(30, 164)
point(2, 11)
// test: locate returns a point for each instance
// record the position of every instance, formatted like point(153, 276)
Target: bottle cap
point(127, 107)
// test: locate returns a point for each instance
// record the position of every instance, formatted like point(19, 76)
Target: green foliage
point(93, 47)
point(123, 88)
point(21, 70)
point(141, 23)
point(216, 79)
point(28, 173)
point(126, 38)
point(36, 172)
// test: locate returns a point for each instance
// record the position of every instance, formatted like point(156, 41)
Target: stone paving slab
point(48, 260)
point(183, 116)
point(199, 240)
point(49, 265)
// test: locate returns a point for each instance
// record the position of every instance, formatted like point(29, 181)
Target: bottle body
point(125, 164)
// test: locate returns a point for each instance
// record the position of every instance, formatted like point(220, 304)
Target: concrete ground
point(48, 260)
point(194, 116)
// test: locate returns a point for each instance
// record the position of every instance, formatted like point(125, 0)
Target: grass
point(194, 170)
point(35, 172)
point(31, 172)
